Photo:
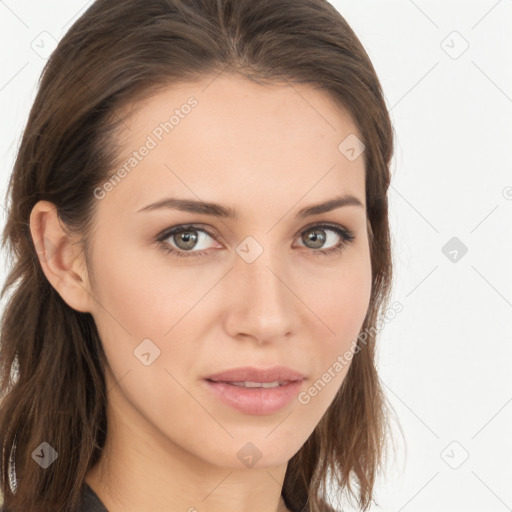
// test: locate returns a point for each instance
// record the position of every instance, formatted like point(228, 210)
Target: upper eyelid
point(166, 233)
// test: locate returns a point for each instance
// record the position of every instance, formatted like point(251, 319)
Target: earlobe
point(60, 256)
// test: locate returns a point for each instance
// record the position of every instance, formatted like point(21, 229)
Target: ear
point(60, 257)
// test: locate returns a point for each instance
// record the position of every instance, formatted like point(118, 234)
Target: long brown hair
point(51, 356)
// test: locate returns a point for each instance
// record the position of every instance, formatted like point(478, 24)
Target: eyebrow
point(217, 210)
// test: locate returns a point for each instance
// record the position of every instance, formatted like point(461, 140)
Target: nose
point(262, 304)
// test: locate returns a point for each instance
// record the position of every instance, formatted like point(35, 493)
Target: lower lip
point(255, 400)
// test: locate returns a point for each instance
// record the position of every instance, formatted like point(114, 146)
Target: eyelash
point(346, 235)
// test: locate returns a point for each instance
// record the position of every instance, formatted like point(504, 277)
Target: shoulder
point(325, 507)
point(90, 502)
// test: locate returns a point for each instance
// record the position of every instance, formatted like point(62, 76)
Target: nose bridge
point(261, 303)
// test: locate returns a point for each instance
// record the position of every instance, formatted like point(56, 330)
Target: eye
point(181, 240)
point(185, 237)
point(318, 235)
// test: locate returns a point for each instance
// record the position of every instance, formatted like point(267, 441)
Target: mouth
point(251, 384)
point(255, 397)
point(252, 377)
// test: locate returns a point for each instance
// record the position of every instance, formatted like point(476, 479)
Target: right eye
point(186, 237)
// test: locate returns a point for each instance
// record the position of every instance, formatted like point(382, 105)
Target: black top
point(90, 501)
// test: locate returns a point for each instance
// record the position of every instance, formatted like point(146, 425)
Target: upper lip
point(252, 374)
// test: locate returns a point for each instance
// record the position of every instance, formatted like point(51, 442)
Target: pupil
point(188, 239)
point(317, 237)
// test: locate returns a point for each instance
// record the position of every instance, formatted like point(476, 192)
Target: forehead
point(228, 137)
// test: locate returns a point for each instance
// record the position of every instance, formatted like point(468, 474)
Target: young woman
point(198, 227)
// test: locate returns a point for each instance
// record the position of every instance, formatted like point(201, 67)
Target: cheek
point(342, 307)
point(345, 298)
point(140, 299)
point(135, 294)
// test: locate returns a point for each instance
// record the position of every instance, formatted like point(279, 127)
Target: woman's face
point(257, 289)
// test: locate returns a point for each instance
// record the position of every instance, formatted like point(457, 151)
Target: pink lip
point(255, 400)
point(250, 373)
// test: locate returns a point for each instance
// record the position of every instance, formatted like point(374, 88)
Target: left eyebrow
point(331, 204)
point(217, 210)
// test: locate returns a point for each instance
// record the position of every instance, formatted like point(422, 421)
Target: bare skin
point(268, 152)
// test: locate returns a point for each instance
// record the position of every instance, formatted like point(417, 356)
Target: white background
point(445, 359)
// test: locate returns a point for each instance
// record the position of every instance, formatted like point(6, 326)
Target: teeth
point(271, 384)
point(250, 384)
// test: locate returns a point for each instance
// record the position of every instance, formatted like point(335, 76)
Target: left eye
point(187, 238)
